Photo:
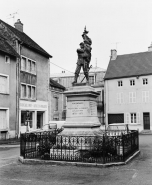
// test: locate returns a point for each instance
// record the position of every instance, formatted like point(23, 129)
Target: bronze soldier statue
point(84, 57)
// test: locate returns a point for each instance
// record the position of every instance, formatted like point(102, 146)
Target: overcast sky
point(57, 26)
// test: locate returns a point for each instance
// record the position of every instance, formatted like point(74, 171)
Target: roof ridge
point(134, 53)
point(26, 39)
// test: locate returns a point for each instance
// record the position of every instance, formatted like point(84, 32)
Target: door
point(115, 118)
point(146, 120)
point(39, 119)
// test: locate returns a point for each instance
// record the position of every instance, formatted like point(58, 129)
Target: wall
point(53, 112)
point(42, 66)
point(9, 100)
point(112, 105)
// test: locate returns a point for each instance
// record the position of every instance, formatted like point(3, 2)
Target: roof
point(26, 40)
point(136, 64)
point(5, 47)
point(55, 84)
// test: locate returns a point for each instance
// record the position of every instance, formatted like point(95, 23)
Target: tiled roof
point(27, 40)
point(5, 47)
point(55, 84)
point(135, 64)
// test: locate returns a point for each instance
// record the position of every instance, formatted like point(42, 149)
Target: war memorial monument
point(81, 117)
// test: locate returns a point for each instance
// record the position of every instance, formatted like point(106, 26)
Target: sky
point(57, 26)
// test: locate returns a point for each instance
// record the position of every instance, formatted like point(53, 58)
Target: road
point(137, 172)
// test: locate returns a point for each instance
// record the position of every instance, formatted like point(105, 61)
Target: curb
point(9, 146)
point(65, 163)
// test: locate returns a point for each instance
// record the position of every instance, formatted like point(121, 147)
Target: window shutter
point(117, 98)
point(138, 117)
point(127, 118)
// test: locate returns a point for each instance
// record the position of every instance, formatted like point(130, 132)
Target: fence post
point(123, 147)
point(103, 147)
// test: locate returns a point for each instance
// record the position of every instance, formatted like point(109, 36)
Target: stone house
point(32, 77)
point(128, 89)
point(57, 109)
point(8, 113)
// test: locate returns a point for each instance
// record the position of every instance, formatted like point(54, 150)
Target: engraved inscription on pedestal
point(81, 108)
point(93, 108)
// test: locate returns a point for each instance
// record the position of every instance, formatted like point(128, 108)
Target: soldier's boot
point(75, 79)
point(87, 78)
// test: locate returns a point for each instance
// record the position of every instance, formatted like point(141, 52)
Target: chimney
point(150, 47)
point(18, 25)
point(113, 54)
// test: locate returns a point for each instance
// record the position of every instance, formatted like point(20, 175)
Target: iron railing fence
point(92, 149)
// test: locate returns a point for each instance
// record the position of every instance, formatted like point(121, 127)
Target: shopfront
point(33, 115)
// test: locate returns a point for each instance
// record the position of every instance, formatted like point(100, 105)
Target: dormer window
point(120, 83)
point(132, 82)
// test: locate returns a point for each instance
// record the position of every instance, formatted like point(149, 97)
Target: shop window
point(26, 117)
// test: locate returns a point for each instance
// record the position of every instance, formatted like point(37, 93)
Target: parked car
point(117, 129)
point(46, 127)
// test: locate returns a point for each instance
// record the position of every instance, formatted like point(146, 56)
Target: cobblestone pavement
point(137, 172)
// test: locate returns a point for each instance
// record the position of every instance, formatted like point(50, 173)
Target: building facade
point(8, 111)
point(96, 75)
point(128, 90)
point(32, 78)
point(56, 101)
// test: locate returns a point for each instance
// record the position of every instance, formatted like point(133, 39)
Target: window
point(7, 59)
point(28, 91)
point(145, 96)
point(3, 118)
point(56, 103)
point(4, 84)
point(145, 81)
point(33, 92)
point(132, 97)
point(132, 82)
point(120, 83)
point(133, 117)
point(23, 64)
point(23, 91)
point(28, 65)
point(33, 70)
point(91, 79)
point(120, 98)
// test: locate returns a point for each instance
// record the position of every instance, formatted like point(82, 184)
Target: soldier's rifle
point(88, 71)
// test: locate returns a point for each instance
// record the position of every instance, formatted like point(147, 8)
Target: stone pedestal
point(81, 114)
